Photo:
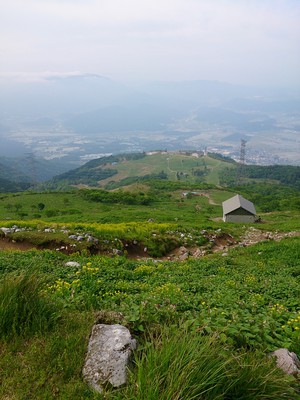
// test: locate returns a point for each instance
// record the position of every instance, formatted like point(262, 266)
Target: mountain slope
point(121, 170)
point(28, 168)
point(124, 169)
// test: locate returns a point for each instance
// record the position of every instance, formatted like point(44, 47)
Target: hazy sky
point(238, 41)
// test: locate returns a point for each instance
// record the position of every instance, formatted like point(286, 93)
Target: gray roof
point(236, 202)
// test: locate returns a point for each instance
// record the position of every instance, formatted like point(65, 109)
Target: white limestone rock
point(72, 264)
point(109, 351)
point(287, 361)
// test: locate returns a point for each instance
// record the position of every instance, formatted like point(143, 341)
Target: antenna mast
point(240, 167)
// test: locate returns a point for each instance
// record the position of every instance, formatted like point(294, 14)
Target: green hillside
point(185, 167)
point(120, 170)
point(20, 173)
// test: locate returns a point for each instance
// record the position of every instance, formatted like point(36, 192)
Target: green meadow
point(205, 326)
point(245, 305)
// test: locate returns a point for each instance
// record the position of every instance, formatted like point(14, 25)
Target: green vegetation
point(284, 174)
point(201, 369)
point(253, 301)
point(115, 171)
point(206, 325)
point(119, 197)
point(23, 310)
point(269, 197)
point(183, 167)
point(245, 305)
point(162, 202)
point(9, 186)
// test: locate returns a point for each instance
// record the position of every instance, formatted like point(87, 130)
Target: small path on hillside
point(210, 200)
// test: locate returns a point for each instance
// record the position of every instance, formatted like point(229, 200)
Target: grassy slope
point(195, 212)
point(250, 298)
point(165, 209)
point(171, 164)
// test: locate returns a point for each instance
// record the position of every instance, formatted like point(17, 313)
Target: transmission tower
point(243, 151)
point(30, 165)
point(241, 163)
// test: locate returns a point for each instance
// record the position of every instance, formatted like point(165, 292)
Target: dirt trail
point(210, 200)
point(222, 242)
point(6, 244)
point(250, 238)
point(218, 241)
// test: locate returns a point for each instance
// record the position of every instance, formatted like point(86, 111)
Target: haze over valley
point(78, 117)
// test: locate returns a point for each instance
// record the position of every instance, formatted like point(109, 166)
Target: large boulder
point(109, 351)
point(287, 361)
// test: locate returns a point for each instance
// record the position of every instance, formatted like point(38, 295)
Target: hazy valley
point(76, 119)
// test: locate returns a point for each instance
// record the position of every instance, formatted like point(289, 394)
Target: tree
point(41, 206)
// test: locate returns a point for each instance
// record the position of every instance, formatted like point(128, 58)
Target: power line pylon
point(241, 163)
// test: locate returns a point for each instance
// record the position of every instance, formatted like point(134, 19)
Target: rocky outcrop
point(287, 361)
point(109, 351)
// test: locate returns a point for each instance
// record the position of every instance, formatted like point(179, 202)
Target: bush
point(24, 311)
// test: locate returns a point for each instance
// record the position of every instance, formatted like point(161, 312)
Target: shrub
point(24, 311)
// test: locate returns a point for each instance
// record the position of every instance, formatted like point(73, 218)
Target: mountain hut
point(238, 209)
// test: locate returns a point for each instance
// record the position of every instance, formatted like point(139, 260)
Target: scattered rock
point(287, 361)
point(184, 256)
point(118, 252)
point(72, 264)
point(197, 253)
point(109, 351)
point(7, 231)
point(49, 230)
point(183, 250)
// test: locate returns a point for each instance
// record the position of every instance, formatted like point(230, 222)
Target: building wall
point(239, 218)
point(240, 211)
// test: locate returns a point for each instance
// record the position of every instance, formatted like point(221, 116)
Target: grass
point(169, 207)
point(47, 366)
point(180, 364)
point(251, 296)
point(210, 323)
point(23, 310)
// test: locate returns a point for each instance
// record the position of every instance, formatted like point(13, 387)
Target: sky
point(254, 42)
